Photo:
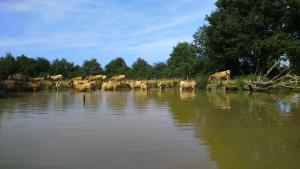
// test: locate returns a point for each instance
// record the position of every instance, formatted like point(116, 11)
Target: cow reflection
point(58, 100)
point(220, 100)
point(187, 95)
point(116, 100)
point(140, 98)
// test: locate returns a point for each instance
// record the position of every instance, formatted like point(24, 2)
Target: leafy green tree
point(91, 67)
point(161, 70)
point(183, 60)
point(141, 69)
point(116, 67)
point(7, 66)
point(62, 66)
point(43, 66)
point(76, 71)
point(246, 36)
point(26, 66)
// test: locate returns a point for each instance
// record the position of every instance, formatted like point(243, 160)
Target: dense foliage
point(91, 67)
point(248, 36)
point(140, 69)
point(245, 36)
point(117, 66)
point(183, 60)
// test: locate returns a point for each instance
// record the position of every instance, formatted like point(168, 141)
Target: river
point(154, 130)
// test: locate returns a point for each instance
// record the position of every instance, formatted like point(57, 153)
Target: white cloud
point(93, 25)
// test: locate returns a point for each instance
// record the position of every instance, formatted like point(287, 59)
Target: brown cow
point(220, 75)
point(161, 85)
point(104, 77)
point(31, 86)
point(145, 86)
point(94, 77)
point(37, 79)
point(134, 84)
point(19, 77)
point(110, 85)
point(82, 86)
point(187, 84)
point(10, 85)
point(55, 77)
point(58, 86)
point(118, 78)
point(76, 78)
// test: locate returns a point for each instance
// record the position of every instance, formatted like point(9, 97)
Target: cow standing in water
point(145, 86)
point(57, 79)
point(58, 86)
point(118, 78)
point(161, 85)
point(110, 85)
point(134, 84)
point(187, 84)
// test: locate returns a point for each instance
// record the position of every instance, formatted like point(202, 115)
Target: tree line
point(247, 37)
point(140, 69)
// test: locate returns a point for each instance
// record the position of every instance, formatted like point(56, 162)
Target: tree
point(183, 60)
point(7, 66)
point(63, 67)
point(246, 36)
point(91, 67)
point(116, 67)
point(161, 70)
point(43, 66)
point(141, 69)
point(26, 66)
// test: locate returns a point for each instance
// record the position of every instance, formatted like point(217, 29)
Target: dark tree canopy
point(26, 65)
point(43, 66)
point(116, 66)
point(140, 69)
point(62, 66)
point(91, 67)
point(248, 35)
point(7, 66)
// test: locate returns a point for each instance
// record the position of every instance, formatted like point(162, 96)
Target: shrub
point(202, 81)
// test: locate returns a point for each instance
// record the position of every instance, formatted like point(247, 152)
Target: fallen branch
point(270, 70)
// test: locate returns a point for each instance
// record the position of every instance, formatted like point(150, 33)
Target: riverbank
point(236, 84)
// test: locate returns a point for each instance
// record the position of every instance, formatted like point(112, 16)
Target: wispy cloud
point(131, 28)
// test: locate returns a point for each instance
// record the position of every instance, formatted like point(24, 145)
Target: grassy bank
point(237, 83)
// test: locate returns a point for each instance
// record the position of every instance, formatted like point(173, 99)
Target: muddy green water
point(156, 130)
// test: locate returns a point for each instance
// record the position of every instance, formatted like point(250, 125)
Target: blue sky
point(83, 29)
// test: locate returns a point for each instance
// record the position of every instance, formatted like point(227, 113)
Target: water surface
point(161, 130)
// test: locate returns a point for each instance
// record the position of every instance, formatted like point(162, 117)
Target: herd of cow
point(120, 81)
point(91, 83)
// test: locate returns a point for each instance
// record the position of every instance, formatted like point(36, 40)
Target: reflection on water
point(157, 129)
point(220, 100)
point(186, 95)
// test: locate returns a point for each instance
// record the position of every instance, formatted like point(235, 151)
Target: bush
point(202, 81)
